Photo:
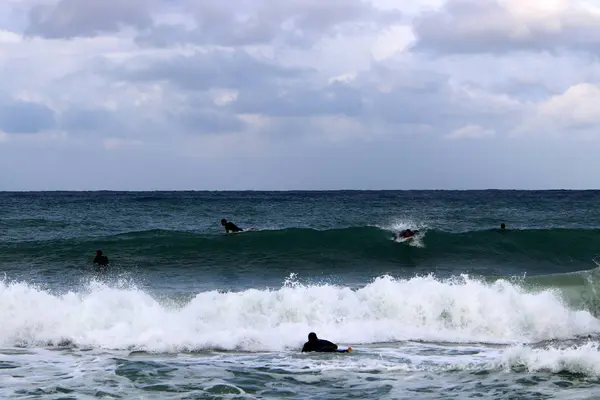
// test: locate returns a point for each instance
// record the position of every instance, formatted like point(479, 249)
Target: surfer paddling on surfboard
point(322, 345)
point(231, 227)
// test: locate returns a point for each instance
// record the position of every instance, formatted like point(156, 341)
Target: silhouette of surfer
point(101, 260)
point(230, 226)
point(322, 345)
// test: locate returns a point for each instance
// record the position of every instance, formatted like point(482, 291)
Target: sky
point(299, 94)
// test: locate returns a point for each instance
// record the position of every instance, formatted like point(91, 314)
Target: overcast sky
point(299, 94)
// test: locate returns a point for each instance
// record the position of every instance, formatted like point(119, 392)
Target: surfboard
point(348, 350)
point(247, 230)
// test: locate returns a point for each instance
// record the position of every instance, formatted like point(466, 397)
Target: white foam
point(421, 308)
point(398, 225)
point(582, 359)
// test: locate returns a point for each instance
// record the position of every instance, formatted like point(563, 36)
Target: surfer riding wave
point(406, 234)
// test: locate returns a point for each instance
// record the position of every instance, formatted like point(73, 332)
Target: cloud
point(18, 116)
point(298, 94)
point(203, 70)
point(207, 121)
point(72, 18)
point(471, 132)
point(115, 143)
point(574, 111)
point(333, 99)
point(296, 22)
point(501, 26)
point(86, 120)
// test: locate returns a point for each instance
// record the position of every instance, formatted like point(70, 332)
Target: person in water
point(230, 226)
point(322, 345)
point(101, 260)
point(407, 233)
point(502, 227)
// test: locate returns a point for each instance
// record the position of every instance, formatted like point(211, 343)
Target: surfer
point(405, 234)
point(230, 226)
point(322, 345)
point(101, 260)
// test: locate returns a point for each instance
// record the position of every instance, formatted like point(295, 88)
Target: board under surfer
point(322, 345)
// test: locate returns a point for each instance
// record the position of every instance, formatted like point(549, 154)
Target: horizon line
point(287, 190)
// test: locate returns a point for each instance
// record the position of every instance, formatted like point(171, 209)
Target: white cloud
point(499, 26)
point(471, 132)
point(574, 111)
point(578, 106)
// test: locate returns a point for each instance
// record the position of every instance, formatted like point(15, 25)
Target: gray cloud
point(294, 22)
point(390, 96)
point(337, 98)
point(25, 117)
point(203, 121)
point(205, 70)
point(395, 96)
point(88, 120)
point(475, 26)
point(184, 104)
point(72, 18)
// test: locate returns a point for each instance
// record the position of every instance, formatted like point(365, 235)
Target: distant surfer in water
point(406, 234)
point(322, 345)
point(101, 260)
point(230, 226)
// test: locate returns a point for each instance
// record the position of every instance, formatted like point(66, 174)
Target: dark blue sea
point(186, 311)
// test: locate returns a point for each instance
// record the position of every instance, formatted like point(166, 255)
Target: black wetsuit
point(230, 226)
point(101, 261)
point(320, 345)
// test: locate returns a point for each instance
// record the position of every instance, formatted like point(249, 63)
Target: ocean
point(185, 311)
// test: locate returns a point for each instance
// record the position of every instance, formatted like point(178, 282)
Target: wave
point(386, 310)
point(572, 248)
point(576, 359)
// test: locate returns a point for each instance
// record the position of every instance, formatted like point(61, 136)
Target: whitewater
point(384, 311)
point(419, 325)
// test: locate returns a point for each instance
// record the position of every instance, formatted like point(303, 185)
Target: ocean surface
point(185, 311)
